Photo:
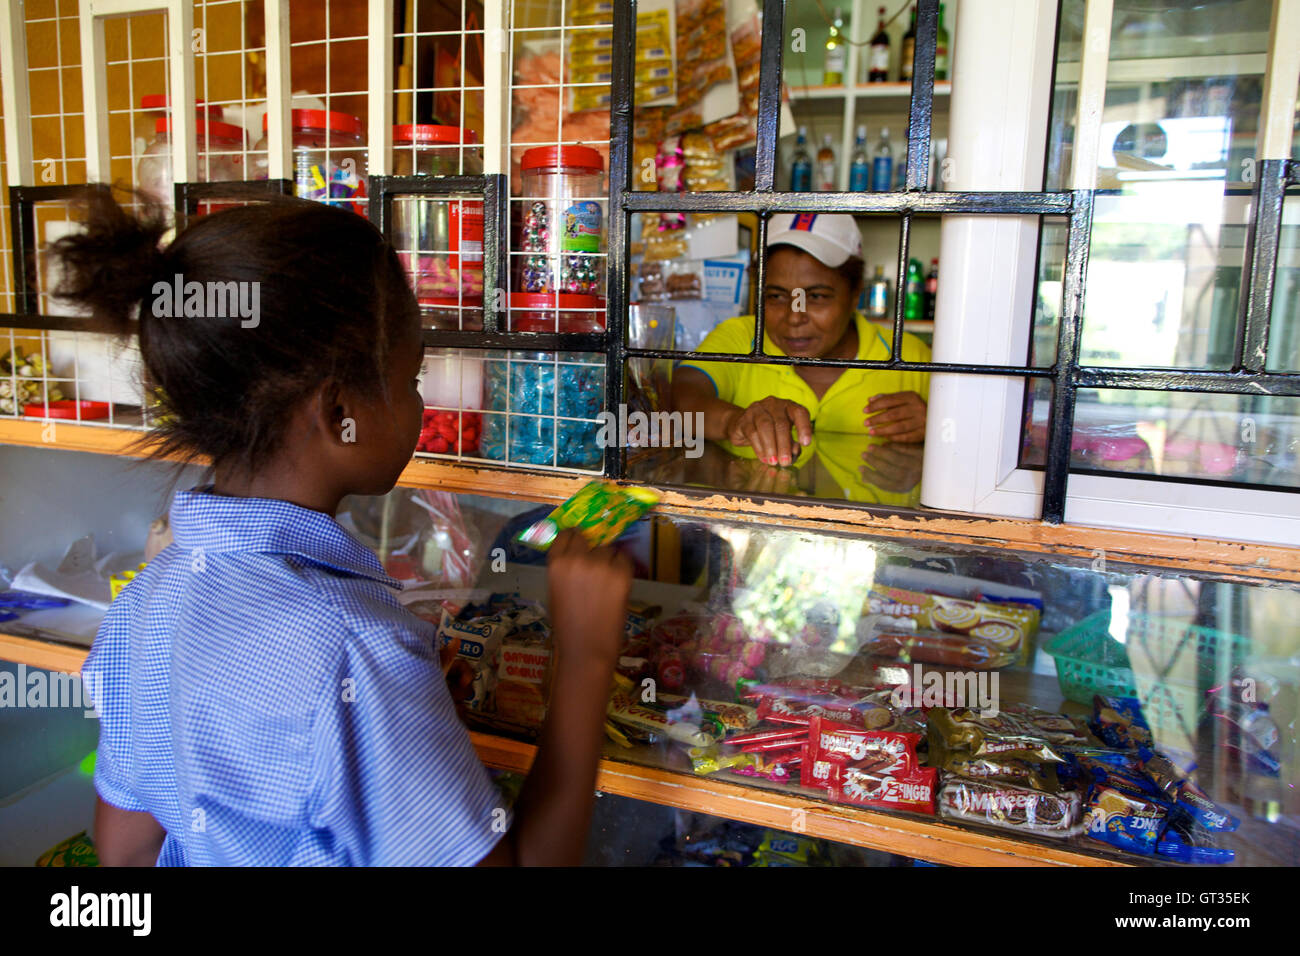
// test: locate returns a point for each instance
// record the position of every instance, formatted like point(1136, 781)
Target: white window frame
point(997, 140)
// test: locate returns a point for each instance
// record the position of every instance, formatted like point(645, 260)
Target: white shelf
point(865, 91)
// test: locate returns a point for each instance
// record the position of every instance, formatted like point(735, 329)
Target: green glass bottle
point(941, 49)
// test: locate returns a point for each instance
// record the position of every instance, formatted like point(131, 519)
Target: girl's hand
point(588, 597)
point(899, 416)
point(766, 426)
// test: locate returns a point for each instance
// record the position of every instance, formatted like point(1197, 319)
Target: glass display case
point(882, 652)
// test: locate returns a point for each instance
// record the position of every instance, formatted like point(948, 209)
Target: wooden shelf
point(865, 91)
point(35, 652)
point(1242, 560)
point(912, 835)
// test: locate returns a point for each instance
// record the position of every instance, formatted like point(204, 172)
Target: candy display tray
point(1090, 661)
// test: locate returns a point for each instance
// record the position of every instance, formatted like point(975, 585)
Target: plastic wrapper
point(1119, 722)
point(477, 641)
point(1125, 819)
point(524, 672)
point(867, 768)
point(1002, 736)
point(883, 638)
point(602, 511)
point(1006, 626)
point(1019, 772)
point(1010, 807)
point(702, 56)
point(697, 733)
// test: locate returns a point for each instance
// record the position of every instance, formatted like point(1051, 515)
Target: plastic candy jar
point(220, 157)
point(539, 312)
point(440, 238)
point(451, 384)
point(329, 158)
point(536, 398)
point(562, 221)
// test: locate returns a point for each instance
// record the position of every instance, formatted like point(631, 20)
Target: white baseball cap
point(832, 239)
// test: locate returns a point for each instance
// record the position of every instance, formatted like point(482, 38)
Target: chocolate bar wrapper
point(1019, 772)
point(1118, 721)
point(907, 791)
point(1010, 807)
point(1124, 818)
point(1002, 736)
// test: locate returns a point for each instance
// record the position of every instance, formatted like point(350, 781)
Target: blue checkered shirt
point(262, 693)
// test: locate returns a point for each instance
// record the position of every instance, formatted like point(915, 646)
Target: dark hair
point(852, 270)
point(331, 293)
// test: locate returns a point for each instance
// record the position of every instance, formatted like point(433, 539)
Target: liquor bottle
point(907, 51)
point(826, 166)
point(836, 51)
point(860, 170)
point(900, 169)
point(941, 49)
point(913, 307)
point(878, 295)
point(878, 62)
point(801, 164)
point(882, 164)
point(931, 289)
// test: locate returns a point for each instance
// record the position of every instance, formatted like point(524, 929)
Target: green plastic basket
point(1089, 661)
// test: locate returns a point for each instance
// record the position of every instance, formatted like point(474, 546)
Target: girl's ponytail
point(109, 268)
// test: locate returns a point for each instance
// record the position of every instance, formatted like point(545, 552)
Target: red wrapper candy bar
point(870, 768)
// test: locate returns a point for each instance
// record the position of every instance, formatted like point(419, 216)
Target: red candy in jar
point(449, 432)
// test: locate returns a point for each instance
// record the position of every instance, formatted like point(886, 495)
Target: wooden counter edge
point(914, 836)
point(1258, 562)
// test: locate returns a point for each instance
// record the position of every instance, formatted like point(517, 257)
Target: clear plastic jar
point(220, 157)
point(329, 158)
point(440, 238)
point(562, 221)
point(451, 384)
point(539, 312)
point(541, 420)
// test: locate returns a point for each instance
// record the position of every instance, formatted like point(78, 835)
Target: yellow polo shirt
point(841, 408)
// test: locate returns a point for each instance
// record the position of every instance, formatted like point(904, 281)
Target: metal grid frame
point(1247, 375)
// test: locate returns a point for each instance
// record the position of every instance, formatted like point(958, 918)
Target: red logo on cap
point(804, 221)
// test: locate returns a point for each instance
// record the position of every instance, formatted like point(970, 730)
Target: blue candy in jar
point(521, 397)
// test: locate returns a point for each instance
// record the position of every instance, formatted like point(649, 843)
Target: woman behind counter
point(814, 279)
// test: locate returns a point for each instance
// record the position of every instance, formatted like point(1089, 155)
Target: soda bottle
point(878, 295)
point(882, 165)
point(931, 289)
point(860, 170)
point(913, 307)
point(801, 164)
point(907, 52)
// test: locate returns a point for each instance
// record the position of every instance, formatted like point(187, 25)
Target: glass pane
point(1249, 440)
point(1284, 329)
point(1175, 164)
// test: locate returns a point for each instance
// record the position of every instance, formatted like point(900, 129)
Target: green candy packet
point(602, 511)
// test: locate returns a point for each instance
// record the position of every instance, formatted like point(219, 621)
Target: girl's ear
point(332, 414)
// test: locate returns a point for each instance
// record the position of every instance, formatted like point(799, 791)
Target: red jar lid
point(428, 133)
point(550, 300)
point(323, 119)
point(553, 157)
point(214, 129)
point(67, 408)
point(565, 312)
point(161, 101)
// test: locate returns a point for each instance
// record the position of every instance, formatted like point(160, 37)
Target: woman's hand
point(766, 426)
point(898, 416)
point(894, 466)
point(588, 591)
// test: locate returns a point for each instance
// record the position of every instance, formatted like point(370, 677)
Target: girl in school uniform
point(263, 697)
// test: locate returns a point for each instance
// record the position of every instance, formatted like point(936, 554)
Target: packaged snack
point(763, 739)
point(858, 712)
point(1057, 728)
point(1119, 816)
point(883, 750)
point(478, 642)
point(1010, 807)
point(933, 647)
point(1003, 625)
point(602, 510)
point(796, 849)
point(1002, 736)
point(1184, 842)
point(624, 710)
point(730, 716)
point(523, 679)
point(1020, 772)
point(867, 768)
point(1118, 721)
point(914, 790)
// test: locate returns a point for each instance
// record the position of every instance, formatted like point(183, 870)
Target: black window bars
point(1247, 376)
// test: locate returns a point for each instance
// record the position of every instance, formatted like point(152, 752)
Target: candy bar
point(623, 710)
point(602, 511)
point(1118, 721)
point(1002, 736)
point(1123, 818)
point(1011, 807)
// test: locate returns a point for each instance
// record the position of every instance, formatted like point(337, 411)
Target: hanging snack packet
point(602, 511)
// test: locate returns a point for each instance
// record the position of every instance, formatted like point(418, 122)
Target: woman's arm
point(126, 837)
point(693, 391)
